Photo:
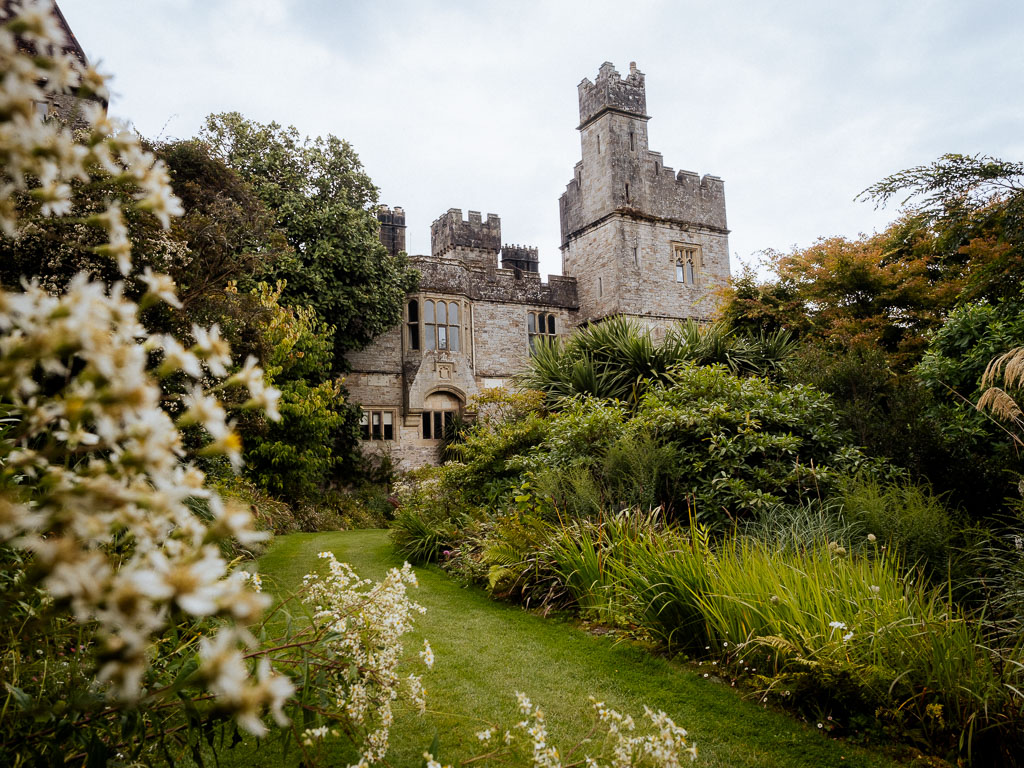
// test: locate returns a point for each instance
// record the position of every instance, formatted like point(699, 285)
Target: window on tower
point(687, 262)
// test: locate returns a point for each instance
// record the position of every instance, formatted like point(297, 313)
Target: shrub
point(905, 516)
point(618, 358)
point(715, 443)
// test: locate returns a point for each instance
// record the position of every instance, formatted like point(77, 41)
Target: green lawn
point(486, 651)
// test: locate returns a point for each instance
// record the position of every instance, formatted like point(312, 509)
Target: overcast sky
point(797, 105)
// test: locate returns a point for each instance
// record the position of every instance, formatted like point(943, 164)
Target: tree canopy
point(324, 204)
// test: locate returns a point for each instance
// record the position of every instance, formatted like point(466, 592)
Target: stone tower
point(641, 239)
point(392, 228)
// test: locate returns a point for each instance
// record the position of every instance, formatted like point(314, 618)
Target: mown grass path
point(487, 650)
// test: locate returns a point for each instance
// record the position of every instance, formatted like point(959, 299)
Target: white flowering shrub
point(614, 741)
point(357, 628)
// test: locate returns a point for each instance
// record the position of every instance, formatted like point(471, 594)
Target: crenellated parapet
point(474, 238)
point(618, 172)
point(611, 92)
point(452, 276)
point(521, 257)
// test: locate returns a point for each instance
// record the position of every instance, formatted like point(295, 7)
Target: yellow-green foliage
point(856, 635)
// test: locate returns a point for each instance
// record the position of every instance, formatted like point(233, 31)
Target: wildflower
point(160, 287)
point(427, 654)
point(875, 589)
point(249, 377)
point(201, 408)
point(485, 735)
point(872, 537)
point(265, 399)
point(212, 349)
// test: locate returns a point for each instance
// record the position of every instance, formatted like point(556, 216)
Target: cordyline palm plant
point(618, 358)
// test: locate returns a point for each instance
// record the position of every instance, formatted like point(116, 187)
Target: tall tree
point(974, 205)
point(324, 203)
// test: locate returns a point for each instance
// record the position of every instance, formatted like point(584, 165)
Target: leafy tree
point(316, 438)
point(225, 236)
point(974, 207)
point(323, 202)
point(883, 289)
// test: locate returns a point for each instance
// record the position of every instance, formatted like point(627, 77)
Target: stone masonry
point(638, 239)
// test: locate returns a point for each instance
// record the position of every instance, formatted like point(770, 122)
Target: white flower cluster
point(93, 477)
point(41, 158)
point(364, 624)
point(665, 746)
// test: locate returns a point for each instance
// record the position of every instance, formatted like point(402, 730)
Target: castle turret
point(475, 241)
point(642, 239)
point(520, 257)
point(392, 228)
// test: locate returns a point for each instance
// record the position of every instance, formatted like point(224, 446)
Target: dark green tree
point(324, 203)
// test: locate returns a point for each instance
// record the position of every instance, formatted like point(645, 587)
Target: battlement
point(392, 228)
point(450, 232)
point(521, 257)
point(611, 92)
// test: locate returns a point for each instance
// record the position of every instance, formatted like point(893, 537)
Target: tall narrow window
point(636, 256)
point(627, 191)
point(632, 142)
point(539, 324)
point(600, 287)
point(599, 144)
point(414, 324)
point(441, 310)
point(453, 326)
point(429, 327)
point(687, 259)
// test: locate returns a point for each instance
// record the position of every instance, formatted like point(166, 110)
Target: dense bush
point(904, 517)
point(315, 441)
point(713, 444)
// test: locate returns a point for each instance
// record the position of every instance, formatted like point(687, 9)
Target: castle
point(638, 239)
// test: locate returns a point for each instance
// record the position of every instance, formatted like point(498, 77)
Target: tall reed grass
point(859, 635)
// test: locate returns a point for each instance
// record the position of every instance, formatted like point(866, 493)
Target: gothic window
point(687, 259)
point(540, 324)
point(441, 325)
point(414, 324)
point(377, 425)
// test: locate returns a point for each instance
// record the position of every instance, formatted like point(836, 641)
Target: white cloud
point(798, 105)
